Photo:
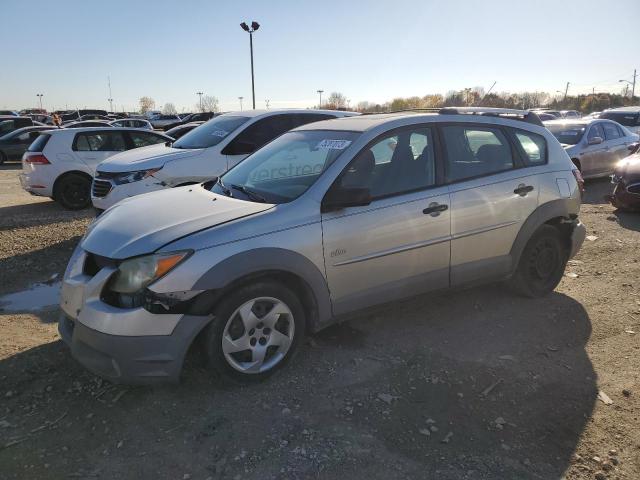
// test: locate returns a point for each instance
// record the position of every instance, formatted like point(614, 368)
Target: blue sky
point(368, 50)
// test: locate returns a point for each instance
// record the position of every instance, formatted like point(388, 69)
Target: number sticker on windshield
point(333, 144)
point(219, 133)
point(571, 133)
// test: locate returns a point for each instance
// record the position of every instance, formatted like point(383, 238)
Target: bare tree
point(146, 104)
point(335, 101)
point(209, 104)
point(169, 109)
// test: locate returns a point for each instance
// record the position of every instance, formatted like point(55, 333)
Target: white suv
point(60, 163)
point(200, 155)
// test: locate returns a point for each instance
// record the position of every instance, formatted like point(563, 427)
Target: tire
point(542, 263)
point(73, 191)
point(246, 318)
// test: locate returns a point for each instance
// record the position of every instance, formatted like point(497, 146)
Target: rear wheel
point(73, 191)
point(542, 263)
point(256, 330)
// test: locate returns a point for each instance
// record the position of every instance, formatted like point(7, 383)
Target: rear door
point(398, 245)
point(491, 195)
point(616, 146)
point(91, 148)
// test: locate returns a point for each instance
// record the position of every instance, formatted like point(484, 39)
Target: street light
point(266, 102)
point(254, 26)
point(633, 84)
point(240, 98)
point(200, 93)
point(320, 103)
point(40, 95)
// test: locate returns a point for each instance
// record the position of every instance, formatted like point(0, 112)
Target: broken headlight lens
point(136, 273)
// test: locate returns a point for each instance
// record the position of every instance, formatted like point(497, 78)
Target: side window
point(534, 147)
point(475, 151)
point(394, 164)
point(304, 118)
point(100, 142)
point(258, 134)
point(143, 139)
point(610, 131)
point(595, 131)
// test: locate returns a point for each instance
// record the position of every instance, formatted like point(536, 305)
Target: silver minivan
point(325, 220)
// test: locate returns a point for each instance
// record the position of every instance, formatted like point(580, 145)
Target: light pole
point(320, 93)
point(110, 99)
point(200, 94)
point(240, 98)
point(254, 26)
point(633, 84)
point(40, 95)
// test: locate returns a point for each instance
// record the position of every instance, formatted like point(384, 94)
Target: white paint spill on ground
point(39, 296)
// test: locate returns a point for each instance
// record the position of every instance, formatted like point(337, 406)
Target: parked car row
point(310, 220)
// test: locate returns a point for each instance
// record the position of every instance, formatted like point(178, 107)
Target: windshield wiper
point(249, 193)
point(226, 191)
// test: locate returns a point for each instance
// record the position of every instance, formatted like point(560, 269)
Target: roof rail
point(510, 113)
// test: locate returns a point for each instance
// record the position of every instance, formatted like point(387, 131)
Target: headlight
point(136, 273)
point(130, 177)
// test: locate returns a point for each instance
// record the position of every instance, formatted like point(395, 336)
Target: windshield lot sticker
point(569, 132)
point(219, 133)
point(333, 144)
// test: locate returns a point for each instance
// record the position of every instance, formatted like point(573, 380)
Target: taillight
point(37, 159)
point(579, 179)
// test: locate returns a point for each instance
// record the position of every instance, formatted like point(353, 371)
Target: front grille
point(101, 188)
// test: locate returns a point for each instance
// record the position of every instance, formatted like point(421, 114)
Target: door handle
point(523, 189)
point(435, 208)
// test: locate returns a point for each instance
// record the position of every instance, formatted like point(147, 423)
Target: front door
point(593, 156)
point(398, 245)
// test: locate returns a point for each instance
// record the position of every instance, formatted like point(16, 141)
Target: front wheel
point(542, 263)
point(73, 191)
point(256, 330)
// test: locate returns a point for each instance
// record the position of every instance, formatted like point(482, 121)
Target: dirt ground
point(475, 384)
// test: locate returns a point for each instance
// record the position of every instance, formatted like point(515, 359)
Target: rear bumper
point(132, 360)
point(36, 184)
point(577, 238)
point(622, 198)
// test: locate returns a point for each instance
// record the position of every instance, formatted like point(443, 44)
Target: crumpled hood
point(144, 158)
point(142, 224)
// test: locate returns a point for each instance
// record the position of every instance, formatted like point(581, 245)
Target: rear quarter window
point(533, 147)
point(39, 143)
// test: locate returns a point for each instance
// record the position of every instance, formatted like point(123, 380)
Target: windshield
point(211, 133)
point(285, 168)
point(567, 133)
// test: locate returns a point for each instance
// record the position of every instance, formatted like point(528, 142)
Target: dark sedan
point(192, 117)
point(14, 144)
point(180, 130)
point(626, 177)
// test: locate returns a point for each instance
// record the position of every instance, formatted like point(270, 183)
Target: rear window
point(39, 143)
point(627, 119)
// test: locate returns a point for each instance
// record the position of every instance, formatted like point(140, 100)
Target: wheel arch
point(555, 213)
point(290, 268)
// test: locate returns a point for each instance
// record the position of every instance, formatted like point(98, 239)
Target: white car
point(132, 123)
point(200, 155)
point(61, 162)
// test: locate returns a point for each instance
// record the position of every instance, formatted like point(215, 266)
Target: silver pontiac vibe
point(327, 219)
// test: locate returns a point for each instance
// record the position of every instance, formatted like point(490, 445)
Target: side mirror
point(338, 198)
point(595, 141)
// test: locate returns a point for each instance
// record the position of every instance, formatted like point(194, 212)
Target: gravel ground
point(475, 384)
